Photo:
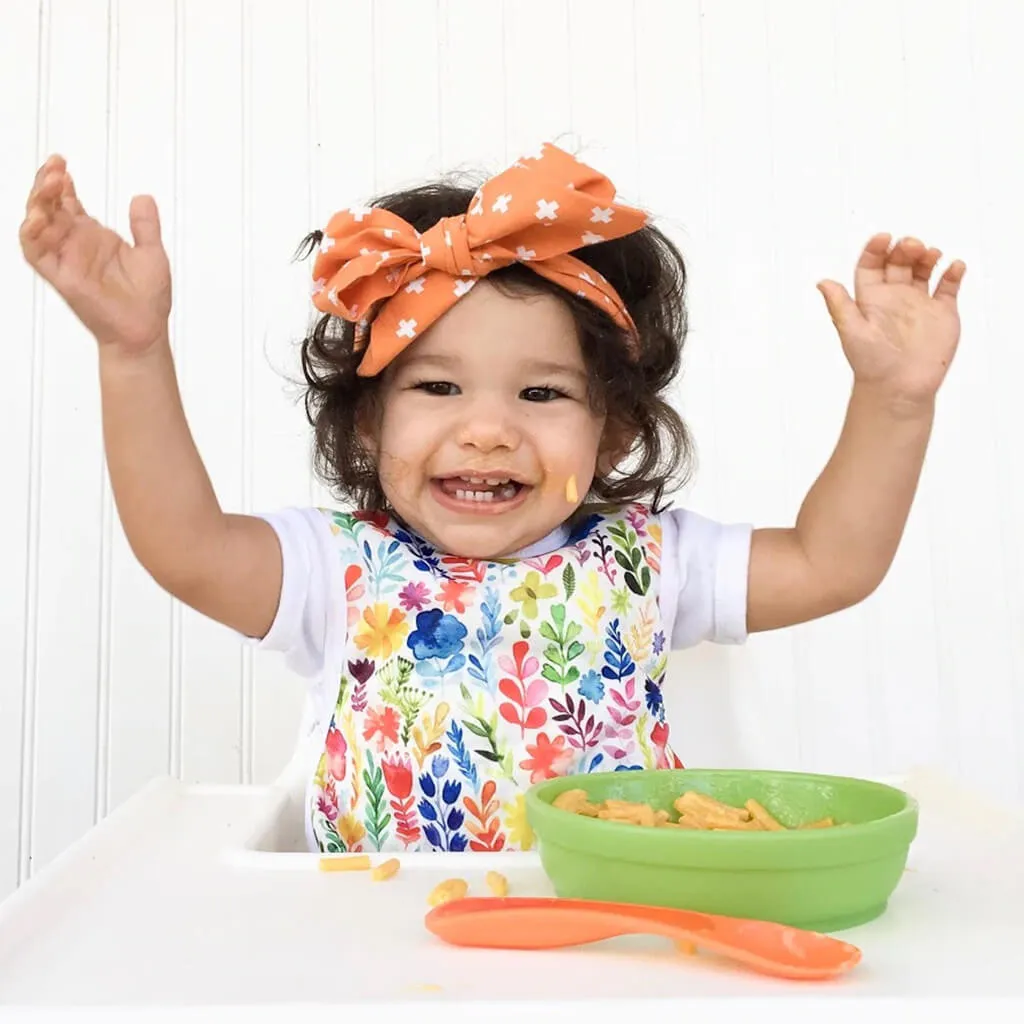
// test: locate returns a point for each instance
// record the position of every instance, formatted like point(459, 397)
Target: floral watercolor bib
point(466, 682)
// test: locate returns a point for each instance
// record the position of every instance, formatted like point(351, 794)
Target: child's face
point(495, 391)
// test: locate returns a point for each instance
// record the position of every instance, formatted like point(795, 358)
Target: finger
point(42, 235)
point(841, 308)
point(39, 254)
point(69, 197)
point(948, 287)
point(899, 266)
point(46, 196)
point(33, 225)
point(925, 267)
point(54, 165)
point(144, 218)
point(871, 265)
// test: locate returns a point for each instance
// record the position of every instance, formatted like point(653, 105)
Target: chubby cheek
point(572, 455)
point(394, 448)
point(400, 455)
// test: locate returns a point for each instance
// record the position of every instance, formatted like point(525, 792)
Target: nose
point(489, 424)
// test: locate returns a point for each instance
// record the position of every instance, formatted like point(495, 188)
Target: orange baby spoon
point(526, 923)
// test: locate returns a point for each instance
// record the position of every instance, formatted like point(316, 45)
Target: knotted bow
point(538, 211)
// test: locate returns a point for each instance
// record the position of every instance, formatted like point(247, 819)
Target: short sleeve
point(705, 566)
point(302, 628)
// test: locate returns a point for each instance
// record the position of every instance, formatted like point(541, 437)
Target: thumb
point(145, 221)
point(841, 307)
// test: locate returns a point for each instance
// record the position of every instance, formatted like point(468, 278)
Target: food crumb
point(448, 890)
point(357, 863)
point(385, 869)
point(497, 883)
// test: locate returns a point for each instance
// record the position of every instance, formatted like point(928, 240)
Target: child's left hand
point(898, 338)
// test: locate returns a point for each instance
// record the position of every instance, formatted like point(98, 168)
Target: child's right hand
point(122, 293)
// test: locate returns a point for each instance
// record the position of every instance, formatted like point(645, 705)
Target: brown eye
point(440, 388)
point(541, 394)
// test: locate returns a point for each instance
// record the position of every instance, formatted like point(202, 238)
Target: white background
point(770, 138)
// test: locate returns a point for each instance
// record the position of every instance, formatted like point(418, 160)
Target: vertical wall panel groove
point(929, 531)
point(504, 84)
point(106, 504)
point(246, 727)
point(31, 658)
point(440, 45)
point(1005, 448)
point(280, 211)
point(20, 94)
point(140, 643)
point(212, 343)
point(312, 161)
point(178, 325)
point(790, 650)
point(70, 485)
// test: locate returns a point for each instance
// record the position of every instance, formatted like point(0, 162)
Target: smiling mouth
point(480, 490)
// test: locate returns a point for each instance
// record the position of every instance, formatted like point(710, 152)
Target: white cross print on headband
point(537, 212)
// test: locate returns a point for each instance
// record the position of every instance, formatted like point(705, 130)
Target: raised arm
point(227, 567)
point(899, 339)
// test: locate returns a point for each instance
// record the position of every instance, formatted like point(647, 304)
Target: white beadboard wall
point(771, 138)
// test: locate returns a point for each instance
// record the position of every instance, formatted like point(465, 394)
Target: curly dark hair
point(647, 271)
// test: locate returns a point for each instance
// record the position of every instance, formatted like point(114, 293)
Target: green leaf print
point(569, 580)
point(629, 557)
point(332, 842)
point(658, 669)
point(377, 816)
point(488, 733)
point(396, 672)
point(641, 737)
point(347, 524)
point(623, 534)
point(563, 649)
point(485, 727)
point(339, 704)
point(396, 691)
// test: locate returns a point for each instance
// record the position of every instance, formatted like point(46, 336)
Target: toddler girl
point(487, 382)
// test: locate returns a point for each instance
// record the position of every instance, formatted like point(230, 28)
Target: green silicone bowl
point(822, 879)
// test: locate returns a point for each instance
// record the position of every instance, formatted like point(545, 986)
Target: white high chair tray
point(171, 902)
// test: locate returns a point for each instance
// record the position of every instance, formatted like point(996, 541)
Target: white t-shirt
point(703, 586)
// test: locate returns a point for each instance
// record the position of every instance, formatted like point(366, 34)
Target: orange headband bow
point(537, 212)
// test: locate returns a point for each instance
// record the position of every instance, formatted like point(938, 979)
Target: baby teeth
point(506, 494)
